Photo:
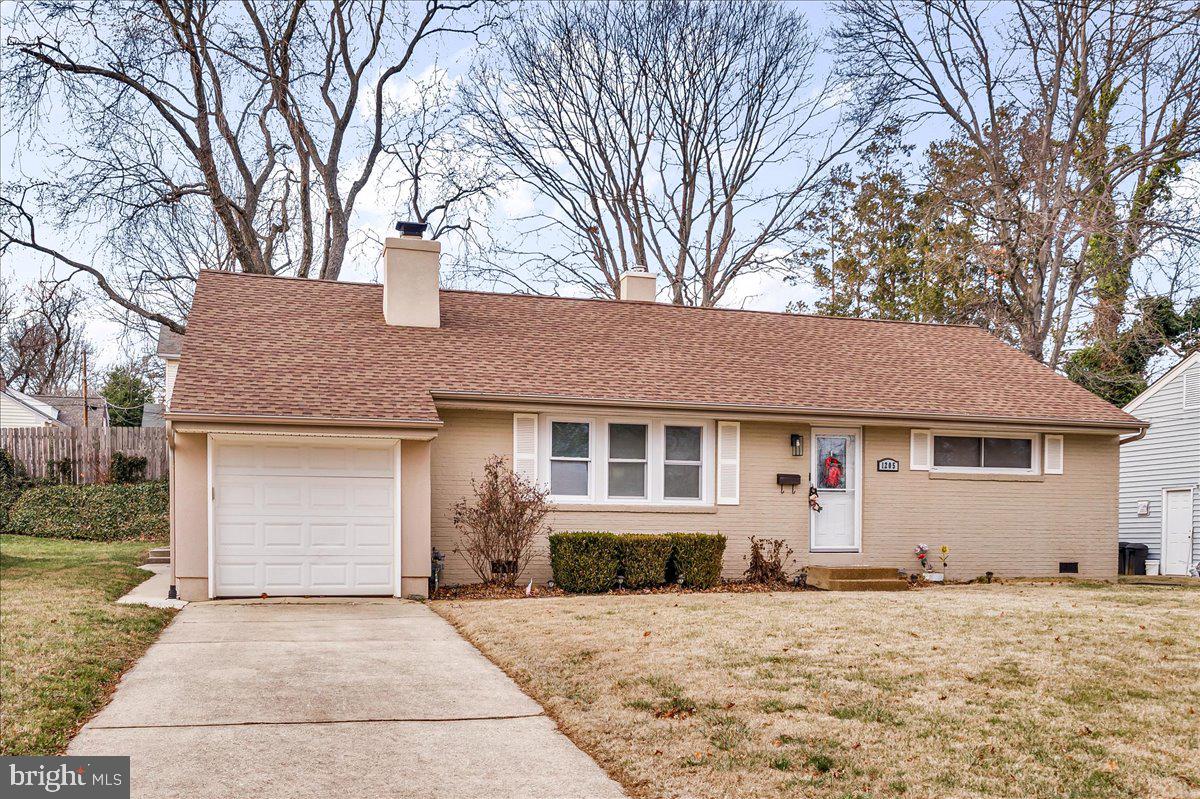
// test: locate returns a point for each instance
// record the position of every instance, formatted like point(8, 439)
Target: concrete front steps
point(856, 578)
point(159, 555)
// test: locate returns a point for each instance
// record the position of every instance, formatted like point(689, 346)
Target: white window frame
point(590, 460)
point(661, 467)
point(608, 423)
point(655, 459)
point(1035, 456)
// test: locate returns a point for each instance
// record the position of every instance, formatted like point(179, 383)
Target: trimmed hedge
point(137, 511)
point(8, 497)
point(643, 559)
point(588, 563)
point(584, 563)
point(696, 557)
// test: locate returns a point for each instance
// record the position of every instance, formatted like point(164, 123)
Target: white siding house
point(21, 410)
point(1160, 474)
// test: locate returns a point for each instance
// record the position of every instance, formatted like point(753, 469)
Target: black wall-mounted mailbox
point(792, 480)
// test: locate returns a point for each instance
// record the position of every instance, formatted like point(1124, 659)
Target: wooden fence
point(84, 456)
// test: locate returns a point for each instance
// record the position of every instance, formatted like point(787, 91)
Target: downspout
point(172, 592)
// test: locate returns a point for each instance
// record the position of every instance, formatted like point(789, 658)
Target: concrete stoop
point(159, 555)
point(856, 578)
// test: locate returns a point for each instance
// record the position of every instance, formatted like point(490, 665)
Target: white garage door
point(303, 518)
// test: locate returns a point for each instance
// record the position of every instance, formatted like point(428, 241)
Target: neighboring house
point(70, 410)
point(321, 432)
point(18, 409)
point(1160, 474)
point(170, 347)
point(152, 415)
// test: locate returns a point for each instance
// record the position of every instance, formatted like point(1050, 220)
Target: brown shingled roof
point(261, 346)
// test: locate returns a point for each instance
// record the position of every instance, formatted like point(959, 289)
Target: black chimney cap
point(412, 228)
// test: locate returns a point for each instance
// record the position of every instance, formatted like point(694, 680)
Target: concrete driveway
point(357, 698)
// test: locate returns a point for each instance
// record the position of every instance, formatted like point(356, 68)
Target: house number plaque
point(888, 465)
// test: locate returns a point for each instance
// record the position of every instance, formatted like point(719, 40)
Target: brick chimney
point(410, 278)
point(638, 284)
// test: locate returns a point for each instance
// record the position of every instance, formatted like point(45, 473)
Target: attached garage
point(298, 517)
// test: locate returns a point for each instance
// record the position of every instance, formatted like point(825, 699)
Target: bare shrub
point(769, 559)
point(500, 522)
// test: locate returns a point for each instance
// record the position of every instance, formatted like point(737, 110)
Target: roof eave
point(1133, 425)
point(319, 421)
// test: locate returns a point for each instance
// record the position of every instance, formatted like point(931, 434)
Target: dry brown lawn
point(1029, 690)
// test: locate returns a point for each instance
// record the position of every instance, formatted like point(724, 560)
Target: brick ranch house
point(321, 432)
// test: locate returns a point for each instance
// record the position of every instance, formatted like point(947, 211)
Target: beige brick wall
point(1005, 526)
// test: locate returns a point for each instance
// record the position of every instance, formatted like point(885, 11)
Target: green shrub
point(93, 512)
point(128, 468)
point(697, 558)
point(8, 497)
point(643, 559)
point(584, 563)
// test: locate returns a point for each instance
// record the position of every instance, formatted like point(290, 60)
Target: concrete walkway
point(356, 698)
point(153, 590)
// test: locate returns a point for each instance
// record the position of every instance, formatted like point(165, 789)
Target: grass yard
point(1029, 690)
point(63, 643)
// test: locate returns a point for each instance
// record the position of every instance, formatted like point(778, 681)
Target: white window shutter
point(918, 457)
point(1054, 454)
point(525, 445)
point(728, 462)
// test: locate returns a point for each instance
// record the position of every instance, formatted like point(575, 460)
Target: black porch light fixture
point(797, 444)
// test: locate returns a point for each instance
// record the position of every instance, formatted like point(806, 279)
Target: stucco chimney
point(410, 278)
point(638, 284)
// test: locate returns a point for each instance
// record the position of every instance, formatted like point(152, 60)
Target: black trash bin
point(1131, 558)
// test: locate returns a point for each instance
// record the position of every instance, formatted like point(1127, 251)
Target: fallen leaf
point(646, 634)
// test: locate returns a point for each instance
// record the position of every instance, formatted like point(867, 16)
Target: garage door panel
point(283, 577)
point(300, 519)
point(235, 534)
point(375, 462)
point(330, 535)
point(238, 579)
point(376, 575)
point(375, 536)
point(237, 495)
point(286, 534)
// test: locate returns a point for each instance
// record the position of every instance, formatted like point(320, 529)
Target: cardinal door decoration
point(831, 460)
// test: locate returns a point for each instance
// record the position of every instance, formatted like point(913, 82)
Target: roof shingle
point(261, 346)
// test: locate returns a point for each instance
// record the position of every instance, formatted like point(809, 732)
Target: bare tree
point(686, 135)
point(196, 133)
point(1072, 117)
point(42, 337)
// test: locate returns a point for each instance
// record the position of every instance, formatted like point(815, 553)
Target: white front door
point(303, 518)
point(835, 474)
point(1177, 531)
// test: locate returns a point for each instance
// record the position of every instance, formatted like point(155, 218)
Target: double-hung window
point(627, 459)
point(570, 459)
point(683, 454)
point(1009, 454)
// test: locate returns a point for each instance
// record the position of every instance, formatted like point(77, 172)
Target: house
point(1160, 473)
point(152, 415)
point(18, 409)
point(170, 346)
point(70, 410)
point(321, 432)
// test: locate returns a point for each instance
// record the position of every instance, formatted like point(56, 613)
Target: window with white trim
point(570, 459)
point(627, 458)
point(965, 452)
point(683, 461)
